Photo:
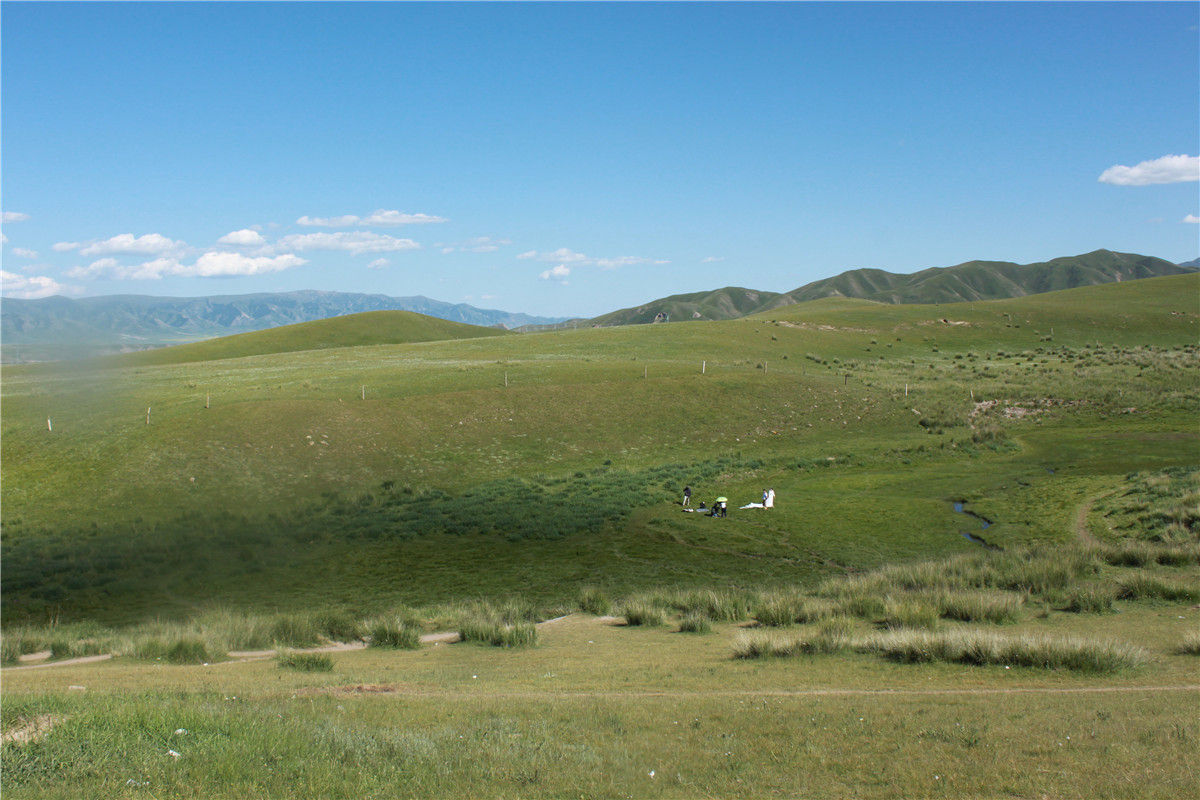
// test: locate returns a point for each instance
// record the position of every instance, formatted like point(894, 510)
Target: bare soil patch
point(31, 730)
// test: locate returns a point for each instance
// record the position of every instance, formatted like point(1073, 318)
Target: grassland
point(486, 483)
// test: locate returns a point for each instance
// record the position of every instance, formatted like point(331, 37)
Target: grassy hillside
point(980, 575)
point(355, 330)
point(989, 280)
point(730, 302)
point(972, 281)
point(532, 464)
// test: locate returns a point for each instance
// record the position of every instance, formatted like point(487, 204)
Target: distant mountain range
point(974, 280)
point(57, 327)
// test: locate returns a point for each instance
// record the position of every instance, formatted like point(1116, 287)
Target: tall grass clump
point(396, 634)
point(295, 630)
point(695, 623)
point(338, 626)
point(1140, 586)
point(1190, 646)
point(999, 608)
point(759, 644)
point(910, 612)
point(864, 606)
point(67, 646)
point(238, 631)
point(304, 662)
point(497, 632)
point(593, 600)
point(179, 649)
point(1182, 555)
point(1129, 554)
point(717, 606)
point(983, 648)
point(1089, 599)
point(775, 609)
point(643, 613)
point(17, 642)
point(775, 644)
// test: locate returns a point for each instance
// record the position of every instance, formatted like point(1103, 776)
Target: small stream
point(984, 524)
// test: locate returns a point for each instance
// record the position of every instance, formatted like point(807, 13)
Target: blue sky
point(569, 158)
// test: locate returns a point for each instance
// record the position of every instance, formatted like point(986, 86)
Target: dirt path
point(1081, 531)
point(66, 662)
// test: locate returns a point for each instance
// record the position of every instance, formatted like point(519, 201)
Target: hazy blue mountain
point(59, 327)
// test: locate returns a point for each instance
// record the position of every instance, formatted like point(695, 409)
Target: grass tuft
point(1149, 587)
point(593, 600)
point(181, 649)
point(396, 634)
point(983, 648)
point(1090, 599)
point(498, 633)
point(644, 613)
point(304, 662)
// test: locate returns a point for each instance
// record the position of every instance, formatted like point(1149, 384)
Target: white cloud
point(62, 247)
point(215, 264)
point(379, 263)
point(356, 242)
point(210, 265)
point(478, 244)
point(627, 261)
point(1168, 169)
point(329, 222)
point(13, 216)
point(112, 268)
point(1192, 218)
point(3, 239)
point(565, 255)
point(151, 244)
point(379, 218)
point(24, 253)
point(243, 238)
point(29, 287)
point(558, 273)
point(383, 217)
point(711, 259)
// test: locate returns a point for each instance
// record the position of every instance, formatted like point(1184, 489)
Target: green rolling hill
point(974, 280)
point(532, 464)
point(354, 330)
point(989, 280)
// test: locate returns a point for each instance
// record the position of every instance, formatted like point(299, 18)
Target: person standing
point(687, 496)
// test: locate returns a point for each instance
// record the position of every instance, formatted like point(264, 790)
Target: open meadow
point(981, 577)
